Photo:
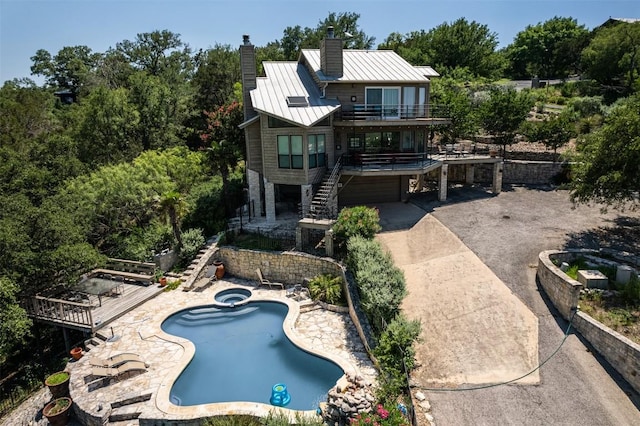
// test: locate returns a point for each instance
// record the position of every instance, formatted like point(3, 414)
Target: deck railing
point(60, 311)
point(358, 112)
point(392, 160)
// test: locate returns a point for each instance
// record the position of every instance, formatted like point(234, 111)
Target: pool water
point(241, 352)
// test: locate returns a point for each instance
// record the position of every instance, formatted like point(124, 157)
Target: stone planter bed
point(564, 292)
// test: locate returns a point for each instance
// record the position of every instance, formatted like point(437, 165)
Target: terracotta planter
point(163, 281)
point(219, 269)
point(76, 353)
point(58, 388)
point(493, 153)
point(58, 411)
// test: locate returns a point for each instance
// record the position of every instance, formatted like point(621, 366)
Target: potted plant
point(58, 384)
point(76, 353)
point(58, 411)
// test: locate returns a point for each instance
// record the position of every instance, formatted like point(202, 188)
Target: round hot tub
point(233, 296)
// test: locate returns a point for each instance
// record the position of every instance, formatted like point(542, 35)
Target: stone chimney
point(248, 70)
point(331, 55)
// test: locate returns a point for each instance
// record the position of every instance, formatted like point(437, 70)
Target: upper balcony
point(361, 115)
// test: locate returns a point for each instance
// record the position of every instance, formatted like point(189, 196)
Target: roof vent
point(297, 101)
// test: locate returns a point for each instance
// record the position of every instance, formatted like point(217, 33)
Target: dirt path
point(506, 232)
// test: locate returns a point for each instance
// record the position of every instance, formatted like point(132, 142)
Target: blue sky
point(27, 25)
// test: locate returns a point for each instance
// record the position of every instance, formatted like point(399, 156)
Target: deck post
point(496, 187)
point(269, 201)
point(65, 335)
point(306, 195)
point(255, 205)
point(442, 191)
point(470, 170)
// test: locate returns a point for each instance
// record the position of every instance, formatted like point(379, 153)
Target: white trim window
point(290, 152)
point(317, 150)
point(385, 100)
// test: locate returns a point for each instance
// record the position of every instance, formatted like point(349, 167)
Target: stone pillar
point(496, 186)
point(328, 242)
point(269, 201)
point(255, 202)
point(442, 191)
point(470, 170)
point(404, 188)
point(306, 195)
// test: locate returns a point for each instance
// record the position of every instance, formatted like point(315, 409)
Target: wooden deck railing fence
point(60, 311)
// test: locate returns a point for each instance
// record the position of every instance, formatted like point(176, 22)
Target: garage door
point(368, 190)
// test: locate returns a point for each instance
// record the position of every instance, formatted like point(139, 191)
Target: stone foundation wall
point(622, 353)
point(518, 172)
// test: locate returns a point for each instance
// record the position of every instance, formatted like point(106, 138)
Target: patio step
point(127, 412)
point(132, 398)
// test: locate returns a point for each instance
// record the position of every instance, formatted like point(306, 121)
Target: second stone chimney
point(331, 55)
point(248, 70)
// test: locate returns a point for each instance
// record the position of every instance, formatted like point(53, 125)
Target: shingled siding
point(622, 353)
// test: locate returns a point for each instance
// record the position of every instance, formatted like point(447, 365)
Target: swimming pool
point(241, 353)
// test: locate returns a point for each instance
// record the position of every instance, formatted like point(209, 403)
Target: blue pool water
point(241, 353)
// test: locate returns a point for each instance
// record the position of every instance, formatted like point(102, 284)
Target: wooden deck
point(89, 316)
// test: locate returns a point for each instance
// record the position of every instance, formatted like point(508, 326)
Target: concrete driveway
point(472, 283)
point(474, 329)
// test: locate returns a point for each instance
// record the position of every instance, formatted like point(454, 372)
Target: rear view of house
point(338, 127)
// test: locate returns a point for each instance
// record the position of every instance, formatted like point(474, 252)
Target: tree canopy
point(550, 49)
point(460, 44)
point(613, 56)
point(503, 112)
point(606, 170)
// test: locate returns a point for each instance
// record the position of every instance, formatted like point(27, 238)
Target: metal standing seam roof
point(427, 71)
point(383, 66)
point(284, 80)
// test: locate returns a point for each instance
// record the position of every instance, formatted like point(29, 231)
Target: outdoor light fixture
point(354, 98)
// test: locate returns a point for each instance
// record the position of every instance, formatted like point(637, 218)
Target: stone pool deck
point(326, 333)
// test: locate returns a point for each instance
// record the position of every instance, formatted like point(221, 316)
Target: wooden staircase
point(321, 207)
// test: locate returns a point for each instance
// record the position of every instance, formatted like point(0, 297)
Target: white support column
point(470, 170)
point(496, 187)
point(306, 195)
point(269, 201)
point(442, 192)
point(255, 203)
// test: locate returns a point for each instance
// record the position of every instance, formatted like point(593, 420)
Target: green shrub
point(380, 283)
point(587, 106)
point(192, 241)
point(206, 207)
point(327, 288)
point(360, 220)
point(630, 293)
point(141, 243)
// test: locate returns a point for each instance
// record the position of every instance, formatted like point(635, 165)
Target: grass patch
point(613, 310)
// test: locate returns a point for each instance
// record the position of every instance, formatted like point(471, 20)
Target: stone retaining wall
point(285, 267)
point(563, 291)
point(620, 352)
point(514, 171)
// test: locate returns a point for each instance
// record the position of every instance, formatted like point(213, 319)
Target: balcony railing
point(387, 161)
point(358, 112)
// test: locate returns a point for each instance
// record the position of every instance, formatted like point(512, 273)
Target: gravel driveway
point(507, 232)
